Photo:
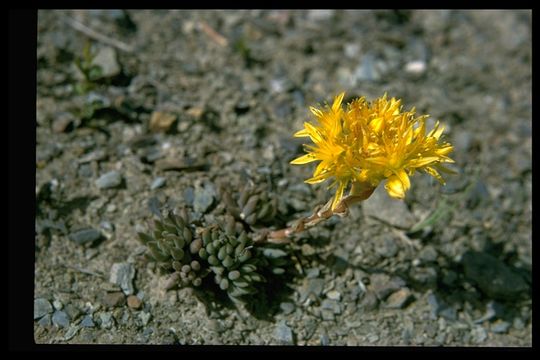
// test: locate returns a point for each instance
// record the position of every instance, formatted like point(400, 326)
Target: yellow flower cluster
point(368, 142)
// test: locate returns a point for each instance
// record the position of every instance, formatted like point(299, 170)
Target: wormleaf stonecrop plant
point(361, 145)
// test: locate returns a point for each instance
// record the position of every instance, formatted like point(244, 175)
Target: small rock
point(416, 67)
point(157, 183)
point(106, 320)
point(283, 334)
point(382, 207)
point(189, 196)
point(45, 321)
point(87, 321)
point(85, 236)
point(307, 250)
point(122, 274)
point(42, 307)
point(286, 307)
point(313, 273)
point(399, 299)
point(334, 295)
point(58, 305)
point(324, 340)
point(369, 301)
point(388, 247)
point(62, 122)
point(203, 198)
point(134, 302)
point(73, 311)
point(109, 180)
point(311, 286)
point(72, 331)
point(60, 319)
point(478, 334)
point(106, 60)
point(331, 305)
point(500, 327)
point(114, 299)
point(493, 277)
point(428, 254)
point(274, 253)
point(161, 121)
point(367, 71)
point(382, 285)
point(144, 317)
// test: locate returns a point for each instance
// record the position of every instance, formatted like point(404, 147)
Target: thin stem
point(359, 192)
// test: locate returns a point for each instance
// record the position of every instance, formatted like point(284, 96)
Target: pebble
point(399, 299)
point(311, 286)
point(72, 331)
point(114, 299)
point(283, 334)
point(286, 307)
point(85, 236)
point(307, 250)
point(144, 317)
point(157, 183)
point(122, 274)
point(331, 305)
point(416, 67)
point(87, 321)
point(109, 180)
point(366, 70)
point(388, 247)
point(382, 207)
point(106, 60)
point(500, 327)
point(324, 340)
point(60, 319)
point(313, 273)
point(203, 198)
point(45, 321)
point(382, 285)
point(58, 304)
point(478, 334)
point(428, 254)
point(42, 307)
point(161, 121)
point(274, 253)
point(189, 196)
point(134, 302)
point(334, 295)
point(106, 320)
point(492, 276)
point(62, 121)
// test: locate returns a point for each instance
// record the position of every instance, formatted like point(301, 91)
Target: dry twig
point(97, 36)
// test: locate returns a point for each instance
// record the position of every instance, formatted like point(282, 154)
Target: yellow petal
point(317, 179)
point(316, 112)
point(404, 178)
point(394, 187)
point(301, 133)
point(304, 159)
point(417, 163)
point(339, 194)
point(337, 102)
point(313, 133)
point(379, 160)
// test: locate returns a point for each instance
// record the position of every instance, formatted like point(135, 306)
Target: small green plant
point(221, 252)
point(90, 72)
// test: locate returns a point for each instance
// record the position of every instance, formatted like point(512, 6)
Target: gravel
point(60, 319)
point(42, 307)
point(283, 334)
point(493, 276)
point(109, 180)
point(122, 274)
point(85, 236)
